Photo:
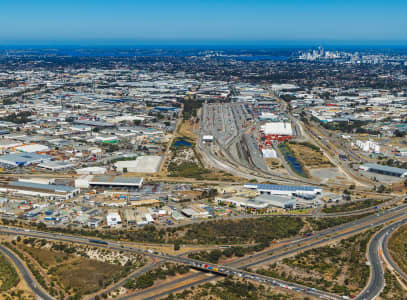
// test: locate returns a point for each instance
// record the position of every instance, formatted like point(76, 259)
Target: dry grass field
point(69, 270)
point(339, 268)
point(398, 247)
point(310, 156)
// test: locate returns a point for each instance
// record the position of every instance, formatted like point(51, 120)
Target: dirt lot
point(188, 129)
point(274, 163)
point(329, 175)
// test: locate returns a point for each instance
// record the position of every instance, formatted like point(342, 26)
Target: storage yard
point(233, 134)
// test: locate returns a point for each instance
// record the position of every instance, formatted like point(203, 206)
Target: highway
point(121, 282)
point(234, 269)
point(26, 274)
point(377, 244)
point(247, 262)
point(236, 266)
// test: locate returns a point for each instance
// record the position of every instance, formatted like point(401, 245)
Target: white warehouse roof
point(91, 171)
point(32, 148)
point(277, 128)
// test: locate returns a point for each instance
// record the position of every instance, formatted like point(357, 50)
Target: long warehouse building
point(109, 182)
point(52, 191)
point(384, 170)
point(277, 128)
point(288, 190)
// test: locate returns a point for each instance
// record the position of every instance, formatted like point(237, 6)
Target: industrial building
point(94, 223)
point(91, 171)
point(384, 170)
point(6, 144)
point(277, 201)
point(251, 204)
point(113, 219)
point(277, 128)
point(269, 153)
point(99, 124)
point(288, 190)
point(195, 212)
point(52, 191)
point(207, 138)
point(261, 202)
point(56, 165)
point(23, 159)
point(33, 148)
point(108, 182)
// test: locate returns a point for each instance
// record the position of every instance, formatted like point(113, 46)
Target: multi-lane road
point(26, 274)
point(377, 246)
point(266, 258)
point(235, 269)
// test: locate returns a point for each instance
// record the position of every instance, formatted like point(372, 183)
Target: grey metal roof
point(385, 168)
point(93, 123)
point(118, 179)
point(49, 187)
point(274, 198)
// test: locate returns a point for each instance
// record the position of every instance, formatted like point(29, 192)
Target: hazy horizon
point(226, 21)
point(201, 44)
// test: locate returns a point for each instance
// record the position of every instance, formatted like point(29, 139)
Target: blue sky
point(30, 21)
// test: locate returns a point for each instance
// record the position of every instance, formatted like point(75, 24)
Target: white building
point(269, 153)
point(207, 138)
point(277, 128)
point(80, 128)
point(113, 219)
point(6, 144)
point(56, 165)
point(32, 148)
point(368, 146)
point(285, 190)
point(91, 171)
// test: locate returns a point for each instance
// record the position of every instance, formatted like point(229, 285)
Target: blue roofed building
point(23, 159)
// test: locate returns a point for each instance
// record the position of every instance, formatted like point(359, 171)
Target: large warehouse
point(23, 159)
point(54, 191)
point(277, 128)
point(244, 203)
point(260, 202)
point(288, 190)
point(384, 170)
point(277, 201)
point(108, 182)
